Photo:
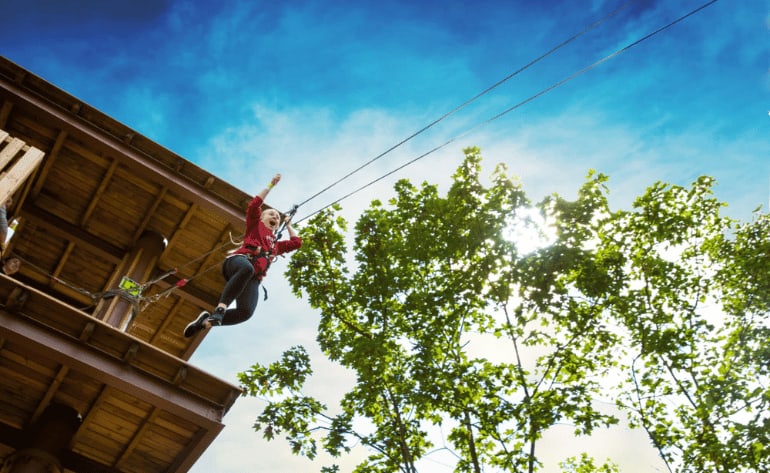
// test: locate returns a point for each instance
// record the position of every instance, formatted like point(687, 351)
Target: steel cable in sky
point(474, 98)
point(516, 106)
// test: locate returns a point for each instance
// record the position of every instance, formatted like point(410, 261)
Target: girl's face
point(11, 266)
point(271, 218)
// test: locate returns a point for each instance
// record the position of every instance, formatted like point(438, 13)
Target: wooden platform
point(83, 208)
point(143, 410)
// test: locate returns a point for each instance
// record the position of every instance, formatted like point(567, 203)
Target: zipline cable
point(94, 296)
point(474, 98)
point(580, 72)
point(518, 105)
point(433, 123)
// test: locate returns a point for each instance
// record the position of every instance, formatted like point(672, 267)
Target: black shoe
point(215, 319)
point(196, 325)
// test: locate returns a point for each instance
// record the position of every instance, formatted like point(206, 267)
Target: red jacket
point(260, 239)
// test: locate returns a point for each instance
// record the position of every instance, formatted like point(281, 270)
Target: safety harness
point(257, 252)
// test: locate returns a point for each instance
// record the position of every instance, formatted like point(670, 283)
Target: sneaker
point(196, 325)
point(215, 319)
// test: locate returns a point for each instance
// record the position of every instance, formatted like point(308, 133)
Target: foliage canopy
point(663, 306)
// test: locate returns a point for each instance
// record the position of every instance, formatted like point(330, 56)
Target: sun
point(530, 231)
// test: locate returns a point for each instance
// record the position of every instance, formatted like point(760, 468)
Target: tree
point(693, 304)
point(433, 276)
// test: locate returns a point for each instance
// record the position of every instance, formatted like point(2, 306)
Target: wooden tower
point(120, 242)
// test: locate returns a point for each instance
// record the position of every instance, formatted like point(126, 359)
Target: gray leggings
point(242, 287)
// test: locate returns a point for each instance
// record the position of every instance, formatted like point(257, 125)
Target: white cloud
point(550, 144)
point(313, 147)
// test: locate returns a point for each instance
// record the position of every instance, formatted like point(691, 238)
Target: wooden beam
point(69, 232)
point(149, 214)
point(5, 112)
point(48, 164)
point(215, 254)
point(19, 171)
point(40, 278)
point(138, 162)
point(62, 261)
point(106, 306)
point(196, 447)
point(153, 414)
point(88, 419)
point(167, 320)
point(40, 341)
point(70, 460)
point(197, 298)
point(50, 392)
point(9, 148)
point(180, 228)
point(98, 194)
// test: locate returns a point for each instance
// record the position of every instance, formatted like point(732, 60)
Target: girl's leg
point(238, 272)
point(241, 286)
point(245, 304)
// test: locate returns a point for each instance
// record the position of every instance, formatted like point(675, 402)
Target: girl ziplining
point(249, 294)
point(245, 267)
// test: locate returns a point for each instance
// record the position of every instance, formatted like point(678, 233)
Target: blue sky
point(315, 89)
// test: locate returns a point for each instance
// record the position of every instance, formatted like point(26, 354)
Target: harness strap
point(259, 253)
point(251, 259)
point(257, 250)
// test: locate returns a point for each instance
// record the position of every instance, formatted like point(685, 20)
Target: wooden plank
point(216, 253)
point(11, 352)
point(53, 387)
point(133, 443)
point(108, 426)
point(163, 447)
point(98, 448)
point(90, 414)
point(11, 414)
point(149, 214)
point(5, 112)
point(31, 129)
point(75, 146)
point(98, 194)
point(3, 135)
point(199, 403)
point(182, 225)
point(178, 425)
point(193, 451)
point(10, 150)
point(61, 229)
point(70, 185)
point(202, 398)
point(13, 374)
point(19, 172)
point(128, 407)
point(124, 173)
point(166, 321)
point(63, 260)
point(143, 461)
point(144, 165)
point(52, 155)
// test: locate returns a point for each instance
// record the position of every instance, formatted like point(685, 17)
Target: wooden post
point(141, 263)
point(45, 441)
